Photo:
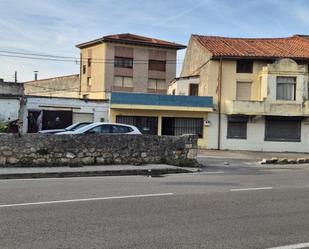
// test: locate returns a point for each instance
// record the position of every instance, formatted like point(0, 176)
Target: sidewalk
point(86, 171)
point(248, 155)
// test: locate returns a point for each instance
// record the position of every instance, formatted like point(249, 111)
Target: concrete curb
point(145, 172)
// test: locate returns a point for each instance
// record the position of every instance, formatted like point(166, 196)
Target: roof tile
point(296, 46)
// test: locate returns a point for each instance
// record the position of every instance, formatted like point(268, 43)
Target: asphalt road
point(225, 206)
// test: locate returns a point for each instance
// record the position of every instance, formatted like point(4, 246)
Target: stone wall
point(75, 150)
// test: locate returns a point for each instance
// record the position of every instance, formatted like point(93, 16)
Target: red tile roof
point(296, 46)
point(134, 40)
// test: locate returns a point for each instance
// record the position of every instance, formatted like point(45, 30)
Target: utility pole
point(15, 76)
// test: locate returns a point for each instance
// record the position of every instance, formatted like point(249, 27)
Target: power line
point(62, 58)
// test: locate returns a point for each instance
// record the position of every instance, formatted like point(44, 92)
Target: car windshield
point(85, 128)
point(76, 126)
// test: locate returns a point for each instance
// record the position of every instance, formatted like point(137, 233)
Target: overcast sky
point(56, 26)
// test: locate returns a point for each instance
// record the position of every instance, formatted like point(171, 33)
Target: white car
point(104, 128)
point(72, 127)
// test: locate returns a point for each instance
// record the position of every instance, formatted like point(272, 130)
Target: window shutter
point(243, 91)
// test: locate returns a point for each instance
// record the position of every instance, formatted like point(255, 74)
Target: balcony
point(274, 108)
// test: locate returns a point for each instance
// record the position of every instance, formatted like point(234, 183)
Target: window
point(156, 65)
point(121, 129)
point(89, 62)
point(286, 88)
point(122, 81)
point(156, 84)
point(237, 127)
point(100, 129)
point(89, 81)
point(283, 129)
point(146, 125)
point(243, 90)
point(180, 126)
point(84, 69)
point(123, 62)
point(193, 90)
point(244, 66)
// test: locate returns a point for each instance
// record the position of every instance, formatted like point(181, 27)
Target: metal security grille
point(146, 125)
point(237, 127)
point(283, 129)
point(180, 126)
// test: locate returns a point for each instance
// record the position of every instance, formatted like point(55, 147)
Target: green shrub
point(3, 127)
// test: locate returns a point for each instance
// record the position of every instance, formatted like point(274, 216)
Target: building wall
point(65, 86)
point(9, 109)
point(11, 88)
point(182, 86)
point(102, 70)
point(255, 138)
point(202, 142)
point(96, 71)
point(99, 109)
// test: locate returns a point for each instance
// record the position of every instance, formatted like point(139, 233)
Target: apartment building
point(259, 88)
point(126, 63)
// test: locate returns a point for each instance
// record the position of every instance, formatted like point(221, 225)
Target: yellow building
point(259, 89)
point(162, 114)
point(126, 63)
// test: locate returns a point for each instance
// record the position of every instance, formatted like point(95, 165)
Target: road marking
point(83, 200)
point(250, 189)
point(295, 246)
point(212, 172)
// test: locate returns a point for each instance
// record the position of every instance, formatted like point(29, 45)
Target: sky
point(54, 27)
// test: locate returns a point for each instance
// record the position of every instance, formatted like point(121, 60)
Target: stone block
point(282, 161)
point(301, 160)
point(292, 161)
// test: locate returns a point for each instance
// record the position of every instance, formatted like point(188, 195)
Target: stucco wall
point(9, 108)
point(99, 109)
point(52, 150)
point(102, 69)
point(255, 139)
point(11, 88)
point(65, 86)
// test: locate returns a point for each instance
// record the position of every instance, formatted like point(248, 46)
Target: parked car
point(72, 127)
point(104, 128)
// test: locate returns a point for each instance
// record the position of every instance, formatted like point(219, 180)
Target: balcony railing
point(275, 108)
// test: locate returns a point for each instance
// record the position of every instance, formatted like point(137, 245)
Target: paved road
point(234, 206)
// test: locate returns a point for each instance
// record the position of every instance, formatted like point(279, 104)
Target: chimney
point(35, 75)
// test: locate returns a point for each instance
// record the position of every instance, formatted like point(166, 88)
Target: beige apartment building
point(259, 88)
point(126, 63)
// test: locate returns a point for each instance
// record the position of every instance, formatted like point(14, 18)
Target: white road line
point(83, 200)
point(250, 189)
point(212, 172)
point(295, 246)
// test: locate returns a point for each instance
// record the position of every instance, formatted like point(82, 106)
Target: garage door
point(82, 117)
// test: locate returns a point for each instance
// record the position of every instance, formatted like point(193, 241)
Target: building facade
point(126, 63)
point(156, 114)
point(10, 100)
point(259, 88)
point(63, 86)
point(43, 113)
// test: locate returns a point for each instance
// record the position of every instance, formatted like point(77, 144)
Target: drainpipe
point(219, 102)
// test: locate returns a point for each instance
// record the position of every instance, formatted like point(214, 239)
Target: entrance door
point(168, 126)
